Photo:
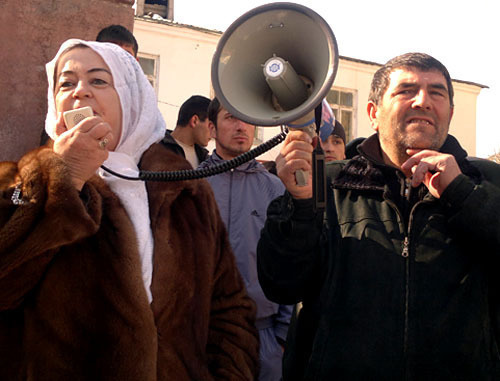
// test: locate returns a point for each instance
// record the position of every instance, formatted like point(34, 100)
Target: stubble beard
point(402, 141)
point(233, 151)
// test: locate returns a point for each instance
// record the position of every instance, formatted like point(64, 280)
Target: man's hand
point(435, 169)
point(296, 154)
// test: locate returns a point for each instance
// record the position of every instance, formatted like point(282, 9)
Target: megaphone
point(274, 64)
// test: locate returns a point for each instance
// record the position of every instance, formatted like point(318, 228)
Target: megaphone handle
point(301, 176)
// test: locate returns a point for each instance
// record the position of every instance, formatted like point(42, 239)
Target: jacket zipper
point(406, 249)
point(405, 253)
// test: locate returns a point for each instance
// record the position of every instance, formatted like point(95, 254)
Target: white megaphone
point(275, 64)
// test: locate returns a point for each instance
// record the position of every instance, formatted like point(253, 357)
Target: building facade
point(177, 58)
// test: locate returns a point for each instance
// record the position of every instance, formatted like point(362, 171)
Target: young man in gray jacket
point(243, 196)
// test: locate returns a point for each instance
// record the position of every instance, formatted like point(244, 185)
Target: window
point(159, 2)
point(149, 64)
point(258, 135)
point(163, 8)
point(343, 103)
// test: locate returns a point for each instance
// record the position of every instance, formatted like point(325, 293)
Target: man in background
point(121, 36)
point(243, 195)
point(191, 134)
point(332, 135)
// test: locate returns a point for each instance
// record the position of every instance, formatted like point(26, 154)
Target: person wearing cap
point(332, 135)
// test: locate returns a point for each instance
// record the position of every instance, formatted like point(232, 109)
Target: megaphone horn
point(274, 64)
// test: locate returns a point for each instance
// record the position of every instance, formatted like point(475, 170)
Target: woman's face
point(83, 79)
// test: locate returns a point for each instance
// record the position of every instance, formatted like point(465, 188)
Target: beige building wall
point(185, 57)
point(463, 123)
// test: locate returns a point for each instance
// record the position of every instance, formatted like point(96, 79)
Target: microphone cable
point(198, 173)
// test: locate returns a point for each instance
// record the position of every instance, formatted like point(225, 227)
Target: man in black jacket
point(400, 280)
point(192, 133)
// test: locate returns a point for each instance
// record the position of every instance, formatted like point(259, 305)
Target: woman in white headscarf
point(104, 278)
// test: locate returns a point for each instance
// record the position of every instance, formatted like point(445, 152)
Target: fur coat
point(72, 299)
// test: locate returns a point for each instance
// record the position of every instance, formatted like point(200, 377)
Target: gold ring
point(103, 143)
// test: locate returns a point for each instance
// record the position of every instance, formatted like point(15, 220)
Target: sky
point(463, 35)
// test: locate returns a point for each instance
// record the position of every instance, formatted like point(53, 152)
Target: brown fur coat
point(72, 299)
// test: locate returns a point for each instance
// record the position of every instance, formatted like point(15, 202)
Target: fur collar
point(366, 171)
point(160, 193)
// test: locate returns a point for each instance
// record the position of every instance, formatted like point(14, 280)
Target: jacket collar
point(367, 170)
point(168, 139)
point(250, 166)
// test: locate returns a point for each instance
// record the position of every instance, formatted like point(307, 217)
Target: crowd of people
point(237, 276)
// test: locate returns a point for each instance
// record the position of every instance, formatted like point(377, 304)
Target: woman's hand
point(83, 147)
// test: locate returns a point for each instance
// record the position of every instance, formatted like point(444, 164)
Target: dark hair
point(213, 109)
point(118, 34)
point(420, 61)
point(195, 105)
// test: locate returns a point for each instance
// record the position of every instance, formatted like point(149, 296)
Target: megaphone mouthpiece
point(290, 91)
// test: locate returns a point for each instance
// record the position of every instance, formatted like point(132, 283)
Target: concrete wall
point(31, 32)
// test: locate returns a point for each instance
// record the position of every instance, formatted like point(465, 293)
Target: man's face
point(333, 147)
point(201, 132)
point(414, 112)
point(232, 136)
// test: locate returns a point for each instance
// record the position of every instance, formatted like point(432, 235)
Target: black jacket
point(400, 285)
point(169, 142)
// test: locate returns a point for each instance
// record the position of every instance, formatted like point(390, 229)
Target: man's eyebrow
point(438, 86)
point(406, 85)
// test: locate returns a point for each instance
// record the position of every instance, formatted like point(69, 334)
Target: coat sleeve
point(473, 208)
point(288, 252)
point(233, 344)
point(282, 321)
point(53, 213)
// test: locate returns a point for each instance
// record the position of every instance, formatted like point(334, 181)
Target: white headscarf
point(142, 125)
